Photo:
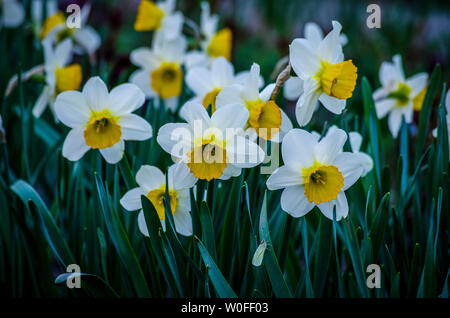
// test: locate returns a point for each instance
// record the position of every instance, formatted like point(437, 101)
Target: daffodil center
point(167, 80)
point(210, 99)
point(220, 44)
point(322, 182)
point(157, 197)
point(401, 94)
point(68, 78)
point(265, 117)
point(102, 130)
point(51, 22)
point(208, 159)
point(337, 80)
point(149, 16)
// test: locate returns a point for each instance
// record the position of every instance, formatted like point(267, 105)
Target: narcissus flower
point(447, 107)
point(12, 13)
point(55, 29)
point(213, 147)
point(59, 75)
point(101, 120)
point(152, 184)
point(398, 96)
point(159, 17)
point(316, 173)
point(216, 43)
point(207, 83)
point(160, 73)
point(326, 76)
point(266, 119)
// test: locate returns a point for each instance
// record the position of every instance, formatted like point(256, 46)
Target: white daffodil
point(215, 42)
point(326, 76)
point(206, 83)
point(355, 144)
point(399, 97)
point(159, 17)
point(447, 117)
point(316, 173)
point(12, 13)
point(212, 147)
point(266, 119)
point(152, 184)
point(160, 74)
point(101, 120)
point(59, 75)
point(55, 29)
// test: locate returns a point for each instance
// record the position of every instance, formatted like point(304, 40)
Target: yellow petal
point(220, 44)
point(322, 183)
point(102, 130)
point(418, 100)
point(167, 80)
point(51, 22)
point(68, 78)
point(338, 80)
point(210, 99)
point(265, 118)
point(157, 196)
point(149, 16)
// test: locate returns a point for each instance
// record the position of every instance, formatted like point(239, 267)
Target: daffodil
point(12, 13)
point(101, 120)
point(326, 76)
point(266, 119)
point(55, 29)
point(160, 73)
point(316, 173)
point(398, 96)
point(152, 184)
point(212, 147)
point(59, 74)
point(447, 117)
point(207, 83)
point(215, 43)
point(159, 17)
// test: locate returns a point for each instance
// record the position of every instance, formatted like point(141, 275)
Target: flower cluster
point(227, 115)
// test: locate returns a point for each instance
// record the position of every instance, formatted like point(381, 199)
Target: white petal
point(294, 201)
point(195, 113)
point(333, 104)
point(175, 139)
point(125, 99)
point(183, 222)
point(307, 102)
point(135, 127)
point(131, 201)
point(199, 80)
point(171, 25)
point(293, 88)
point(355, 140)
point(384, 106)
point(42, 101)
point(71, 109)
point(13, 13)
point(230, 116)
point(113, 154)
point(180, 177)
point(229, 95)
point(63, 53)
point(304, 61)
point(230, 171)
point(380, 93)
point(298, 148)
point(341, 207)
point(366, 163)
point(241, 78)
point(351, 166)
point(96, 94)
point(330, 47)
point(244, 153)
point(222, 72)
point(142, 79)
point(75, 146)
point(150, 178)
point(145, 58)
point(88, 38)
point(141, 223)
point(251, 86)
point(194, 59)
point(447, 101)
point(330, 146)
point(395, 121)
point(285, 176)
point(267, 92)
point(417, 83)
point(313, 33)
